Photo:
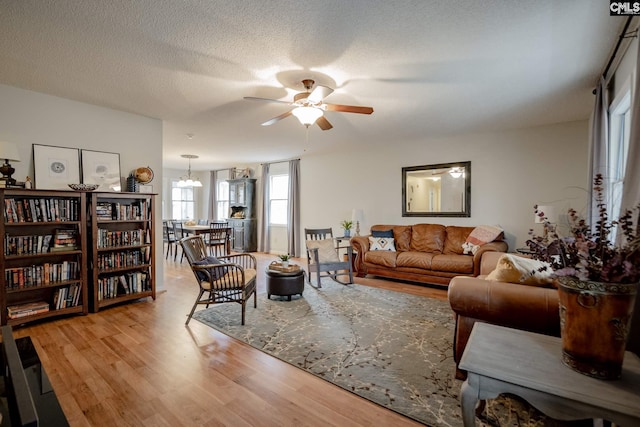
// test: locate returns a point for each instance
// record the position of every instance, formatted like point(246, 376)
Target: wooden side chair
point(323, 257)
point(169, 238)
point(229, 278)
point(179, 234)
point(219, 238)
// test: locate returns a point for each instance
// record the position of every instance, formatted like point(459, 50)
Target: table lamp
point(8, 152)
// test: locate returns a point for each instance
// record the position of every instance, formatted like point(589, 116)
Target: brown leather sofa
point(474, 299)
point(425, 253)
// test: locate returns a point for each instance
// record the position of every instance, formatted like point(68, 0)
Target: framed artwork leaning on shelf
point(101, 168)
point(55, 167)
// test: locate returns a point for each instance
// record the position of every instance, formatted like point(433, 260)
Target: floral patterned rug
point(392, 348)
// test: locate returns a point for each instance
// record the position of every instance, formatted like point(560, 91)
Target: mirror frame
point(466, 212)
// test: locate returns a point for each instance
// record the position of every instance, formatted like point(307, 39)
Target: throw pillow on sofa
point(382, 233)
point(526, 271)
point(382, 244)
point(326, 250)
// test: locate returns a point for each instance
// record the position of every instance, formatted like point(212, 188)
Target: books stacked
point(65, 240)
point(28, 309)
point(103, 211)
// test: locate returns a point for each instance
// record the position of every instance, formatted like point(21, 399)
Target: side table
point(503, 360)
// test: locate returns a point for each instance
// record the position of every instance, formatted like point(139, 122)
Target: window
point(182, 202)
point(620, 127)
point(222, 200)
point(278, 199)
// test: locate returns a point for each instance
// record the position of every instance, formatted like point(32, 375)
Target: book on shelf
point(65, 240)
point(27, 309)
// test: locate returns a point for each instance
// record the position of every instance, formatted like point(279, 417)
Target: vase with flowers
point(597, 282)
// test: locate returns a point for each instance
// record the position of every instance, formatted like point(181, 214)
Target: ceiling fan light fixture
point(307, 115)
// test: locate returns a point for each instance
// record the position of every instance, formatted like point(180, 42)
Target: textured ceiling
point(428, 68)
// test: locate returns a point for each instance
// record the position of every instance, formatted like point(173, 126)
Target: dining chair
point(179, 234)
point(219, 237)
point(169, 238)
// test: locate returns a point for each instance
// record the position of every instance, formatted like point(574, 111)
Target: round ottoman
point(285, 283)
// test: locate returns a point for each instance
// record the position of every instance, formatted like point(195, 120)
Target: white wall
point(28, 118)
point(510, 172)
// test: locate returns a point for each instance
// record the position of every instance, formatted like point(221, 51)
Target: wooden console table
point(503, 360)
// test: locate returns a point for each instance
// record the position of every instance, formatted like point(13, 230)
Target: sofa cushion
point(456, 236)
point(462, 264)
point(415, 259)
point(428, 238)
point(381, 244)
point(326, 250)
point(516, 269)
point(381, 258)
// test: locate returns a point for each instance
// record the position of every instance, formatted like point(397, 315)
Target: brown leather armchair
point(474, 299)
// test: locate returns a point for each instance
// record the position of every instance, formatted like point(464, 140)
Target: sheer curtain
point(599, 146)
point(213, 196)
point(293, 216)
point(264, 244)
point(631, 188)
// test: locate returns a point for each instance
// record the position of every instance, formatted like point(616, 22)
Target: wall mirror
point(437, 190)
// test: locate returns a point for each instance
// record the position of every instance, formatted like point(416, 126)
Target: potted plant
point(346, 225)
point(285, 260)
point(595, 278)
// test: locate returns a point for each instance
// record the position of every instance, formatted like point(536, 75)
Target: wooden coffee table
point(503, 360)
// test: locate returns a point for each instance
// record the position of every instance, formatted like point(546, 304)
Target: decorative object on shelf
point(597, 283)
point(356, 218)
point(143, 175)
point(27, 183)
point(285, 260)
point(132, 184)
point(8, 152)
point(101, 168)
point(84, 187)
point(55, 167)
point(346, 225)
point(188, 181)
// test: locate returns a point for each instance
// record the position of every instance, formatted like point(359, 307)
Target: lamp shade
point(307, 115)
point(356, 215)
point(9, 151)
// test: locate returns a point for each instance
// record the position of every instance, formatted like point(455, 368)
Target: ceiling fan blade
point(323, 123)
point(277, 119)
point(319, 93)
point(349, 109)
point(253, 98)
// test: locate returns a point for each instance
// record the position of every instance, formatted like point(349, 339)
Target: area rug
point(392, 348)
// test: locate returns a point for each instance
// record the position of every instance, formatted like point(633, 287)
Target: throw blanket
point(479, 236)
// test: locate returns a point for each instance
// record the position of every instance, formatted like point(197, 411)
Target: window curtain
point(264, 244)
point(599, 146)
point(631, 186)
point(293, 216)
point(213, 196)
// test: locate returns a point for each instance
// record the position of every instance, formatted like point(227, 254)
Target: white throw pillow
point(526, 271)
point(382, 244)
point(326, 250)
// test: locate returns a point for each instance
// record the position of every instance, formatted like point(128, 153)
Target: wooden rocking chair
point(323, 257)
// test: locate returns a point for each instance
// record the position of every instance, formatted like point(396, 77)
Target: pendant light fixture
point(188, 181)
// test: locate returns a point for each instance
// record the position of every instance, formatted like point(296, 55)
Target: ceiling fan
point(310, 108)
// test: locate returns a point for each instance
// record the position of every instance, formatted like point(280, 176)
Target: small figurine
point(28, 184)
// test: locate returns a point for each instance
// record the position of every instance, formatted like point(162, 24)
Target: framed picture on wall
point(99, 167)
point(55, 167)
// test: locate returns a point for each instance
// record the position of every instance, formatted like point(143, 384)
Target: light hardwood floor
point(138, 364)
